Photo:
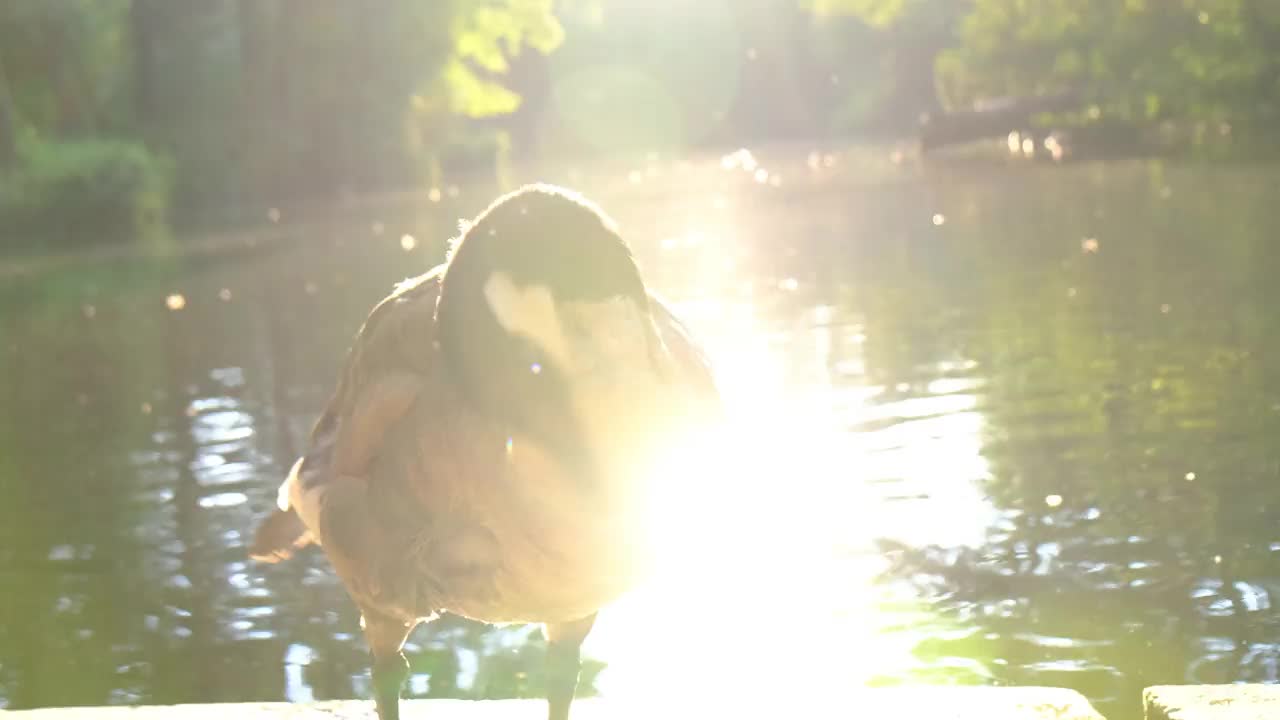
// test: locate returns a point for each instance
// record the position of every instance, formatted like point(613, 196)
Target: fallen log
point(990, 119)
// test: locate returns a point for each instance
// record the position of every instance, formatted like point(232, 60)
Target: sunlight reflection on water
point(968, 452)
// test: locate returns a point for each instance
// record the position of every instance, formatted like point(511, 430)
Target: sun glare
point(763, 595)
point(740, 606)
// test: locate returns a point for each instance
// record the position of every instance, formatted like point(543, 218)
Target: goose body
point(485, 450)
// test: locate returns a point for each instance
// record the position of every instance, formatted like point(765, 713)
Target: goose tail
point(282, 532)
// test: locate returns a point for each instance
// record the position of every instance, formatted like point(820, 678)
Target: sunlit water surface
point(990, 425)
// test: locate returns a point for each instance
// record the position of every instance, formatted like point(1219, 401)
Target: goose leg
point(390, 669)
point(564, 660)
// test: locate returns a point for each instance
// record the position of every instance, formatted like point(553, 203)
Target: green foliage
point(482, 39)
point(83, 191)
point(890, 80)
point(1134, 61)
point(472, 95)
point(64, 61)
point(483, 35)
point(903, 17)
point(259, 102)
point(1138, 60)
point(877, 13)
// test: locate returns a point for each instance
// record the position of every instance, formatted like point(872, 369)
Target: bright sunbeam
point(748, 583)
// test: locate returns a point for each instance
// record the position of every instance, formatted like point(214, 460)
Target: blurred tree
point(910, 35)
point(8, 134)
point(332, 97)
point(62, 61)
point(1136, 61)
point(264, 101)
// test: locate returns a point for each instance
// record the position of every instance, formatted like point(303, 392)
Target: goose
point(485, 451)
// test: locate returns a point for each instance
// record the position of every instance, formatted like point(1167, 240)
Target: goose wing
point(692, 365)
point(392, 355)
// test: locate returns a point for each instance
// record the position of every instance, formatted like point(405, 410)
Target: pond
point(996, 425)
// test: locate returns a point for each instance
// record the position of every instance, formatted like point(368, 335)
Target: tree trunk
point(143, 22)
point(8, 125)
point(1003, 117)
point(257, 104)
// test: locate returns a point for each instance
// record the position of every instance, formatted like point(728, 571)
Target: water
point(993, 425)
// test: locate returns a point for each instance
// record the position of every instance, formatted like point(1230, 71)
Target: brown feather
point(432, 504)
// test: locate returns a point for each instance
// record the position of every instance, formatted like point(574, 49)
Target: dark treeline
point(252, 104)
point(111, 110)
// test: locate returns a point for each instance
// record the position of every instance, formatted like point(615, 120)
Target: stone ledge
point(967, 703)
point(1212, 702)
point(908, 703)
